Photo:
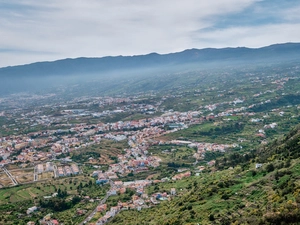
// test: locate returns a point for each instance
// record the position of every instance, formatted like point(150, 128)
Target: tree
point(270, 167)
point(75, 200)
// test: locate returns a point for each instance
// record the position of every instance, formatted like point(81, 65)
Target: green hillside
point(234, 192)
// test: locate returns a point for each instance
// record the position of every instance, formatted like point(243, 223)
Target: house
point(49, 166)
point(61, 172)
point(47, 217)
point(173, 191)
point(181, 175)
point(258, 165)
point(54, 222)
point(114, 210)
point(122, 190)
point(113, 192)
point(75, 169)
point(118, 184)
point(101, 208)
point(68, 171)
point(81, 211)
point(40, 168)
point(95, 173)
point(31, 210)
point(211, 163)
point(20, 158)
point(153, 200)
point(101, 181)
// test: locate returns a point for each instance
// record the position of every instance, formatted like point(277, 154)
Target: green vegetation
point(18, 199)
point(232, 104)
point(174, 153)
point(239, 195)
point(103, 153)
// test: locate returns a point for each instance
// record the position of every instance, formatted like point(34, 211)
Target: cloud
point(54, 29)
point(291, 15)
point(254, 36)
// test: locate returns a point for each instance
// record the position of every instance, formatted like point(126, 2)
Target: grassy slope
point(243, 195)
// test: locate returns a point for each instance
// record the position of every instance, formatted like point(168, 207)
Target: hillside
point(237, 195)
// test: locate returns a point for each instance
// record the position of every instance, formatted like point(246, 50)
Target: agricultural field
point(174, 153)
point(40, 189)
point(22, 175)
point(45, 176)
point(5, 181)
point(104, 153)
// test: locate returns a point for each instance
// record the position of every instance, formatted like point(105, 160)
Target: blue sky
point(47, 30)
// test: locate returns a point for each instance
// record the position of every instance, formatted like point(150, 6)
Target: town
point(63, 142)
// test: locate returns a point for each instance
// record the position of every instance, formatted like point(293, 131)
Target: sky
point(48, 30)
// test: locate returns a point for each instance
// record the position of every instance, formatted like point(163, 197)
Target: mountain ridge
point(139, 73)
point(152, 60)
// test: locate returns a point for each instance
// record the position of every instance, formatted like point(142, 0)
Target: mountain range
point(114, 72)
point(277, 52)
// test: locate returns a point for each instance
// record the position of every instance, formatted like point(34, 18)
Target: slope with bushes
point(234, 192)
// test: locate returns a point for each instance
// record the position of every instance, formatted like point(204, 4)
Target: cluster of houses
point(270, 126)
point(47, 220)
point(59, 171)
point(67, 170)
point(135, 159)
point(82, 135)
point(201, 147)
point(138, 201)
point(104, 177)
point(212, 147)
point(181, 175)
point(75, 137)
point(212, 107)
point(47, 167)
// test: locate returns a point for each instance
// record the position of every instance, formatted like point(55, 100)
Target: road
point(35, 175)
point(55, 171)
point(91, 215)
point(10, 176)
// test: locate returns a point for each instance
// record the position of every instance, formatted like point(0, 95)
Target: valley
point(89, 159)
